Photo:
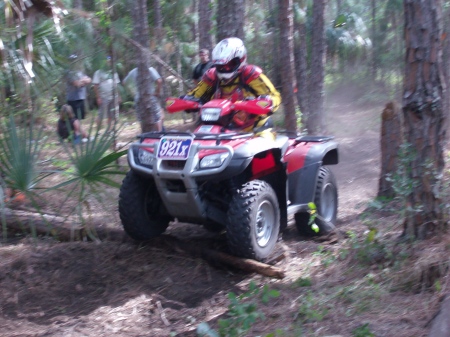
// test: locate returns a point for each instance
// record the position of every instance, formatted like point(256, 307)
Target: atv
point(226, 179)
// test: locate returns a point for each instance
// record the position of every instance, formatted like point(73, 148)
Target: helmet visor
point(229, 67)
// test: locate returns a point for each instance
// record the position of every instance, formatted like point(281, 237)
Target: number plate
point(174, 148)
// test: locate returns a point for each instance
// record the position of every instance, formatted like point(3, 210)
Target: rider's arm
point(263, 86)
point(205, 89)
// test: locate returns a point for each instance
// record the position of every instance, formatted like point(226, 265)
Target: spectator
point(104, 83)
point(69, 127)
point(130, 82)
point(76, 82)
point(202, 67)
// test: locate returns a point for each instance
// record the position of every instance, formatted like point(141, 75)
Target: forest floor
point(344, 285)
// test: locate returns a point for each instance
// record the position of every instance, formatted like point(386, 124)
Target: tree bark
point(274, 48)
point(78, 4)
point(141, 35)
point(287, 67)
point(390, 141)
point(205, 25)
point(374, 64)
point(446, 56)
point(301, 69)
point(315, 118)
point(158, 21)
point(424, 117)
point(230, 19)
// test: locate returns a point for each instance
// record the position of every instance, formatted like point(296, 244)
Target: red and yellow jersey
point(251, 82)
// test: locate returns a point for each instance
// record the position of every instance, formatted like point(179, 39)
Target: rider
point(232, 78)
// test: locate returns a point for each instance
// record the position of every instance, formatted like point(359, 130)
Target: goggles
point(229, 67)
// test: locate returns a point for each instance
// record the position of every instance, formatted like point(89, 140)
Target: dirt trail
point(357, 131)
point(127, 289)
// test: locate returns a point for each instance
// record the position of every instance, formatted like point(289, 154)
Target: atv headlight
point(214, 160)
point(145, 157)
point(210, 114)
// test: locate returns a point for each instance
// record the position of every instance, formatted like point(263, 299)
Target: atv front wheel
point(326, 201)
point(141, 209)
point(253, 221)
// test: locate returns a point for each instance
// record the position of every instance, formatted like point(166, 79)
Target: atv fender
point(269, 167)
point(302, 182)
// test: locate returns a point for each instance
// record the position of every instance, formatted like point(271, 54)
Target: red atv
point(226, 179)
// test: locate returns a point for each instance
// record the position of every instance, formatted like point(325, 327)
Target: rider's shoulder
point(250, 72)
point(210, 76)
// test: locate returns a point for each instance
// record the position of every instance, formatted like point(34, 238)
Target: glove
point(190, 98)
point(266, 98)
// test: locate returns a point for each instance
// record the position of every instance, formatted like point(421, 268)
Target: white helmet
point(229, 56)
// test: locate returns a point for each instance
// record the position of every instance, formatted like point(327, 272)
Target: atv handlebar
point(257, 106)
point(175, 104)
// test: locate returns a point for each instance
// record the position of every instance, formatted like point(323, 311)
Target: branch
point(153, 56)
point(216, 257)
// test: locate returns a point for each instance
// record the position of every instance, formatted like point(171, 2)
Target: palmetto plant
point(19, 152)
point(93, 165)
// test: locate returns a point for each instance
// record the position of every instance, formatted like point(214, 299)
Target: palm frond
point(19, 153)
point(94, 162)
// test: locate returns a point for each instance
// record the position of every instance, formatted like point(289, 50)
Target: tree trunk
point(374, 64)
point(315, 118)
point(424, 117)
point(287, 67)
point(78, 4)
point(275, 47)
point(158, 21)
point(338, 7)
point(141, 35)
point(205, 25)
point(230, 19)
point(159, 35)
point(391, 139)
point(446, 57)
point(301, 62)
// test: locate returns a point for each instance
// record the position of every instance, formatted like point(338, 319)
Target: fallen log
point(216, 257)
point(58, 227)
point(62, 229)
point(247, 264)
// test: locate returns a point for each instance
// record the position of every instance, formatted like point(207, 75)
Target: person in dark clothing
point(69, 127)
point(76, 82)
point(202, 67)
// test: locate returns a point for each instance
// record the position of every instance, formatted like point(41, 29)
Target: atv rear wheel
point(253, 221)
point(326, 201)
point(141, 209)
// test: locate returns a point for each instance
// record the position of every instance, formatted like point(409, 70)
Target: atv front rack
point(197, 136)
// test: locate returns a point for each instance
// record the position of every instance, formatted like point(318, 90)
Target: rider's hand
point(189, 98)
point(266, 98)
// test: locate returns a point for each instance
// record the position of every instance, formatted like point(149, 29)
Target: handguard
point(175, 104)
point(258, 106)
